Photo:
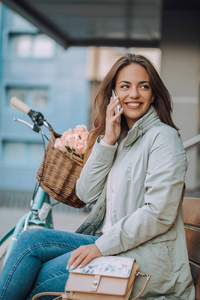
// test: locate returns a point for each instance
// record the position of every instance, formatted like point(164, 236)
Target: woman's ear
point(152, 99)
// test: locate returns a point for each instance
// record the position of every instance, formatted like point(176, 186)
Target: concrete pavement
point(62, 220)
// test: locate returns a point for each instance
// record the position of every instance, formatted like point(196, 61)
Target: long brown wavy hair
point(162, 101)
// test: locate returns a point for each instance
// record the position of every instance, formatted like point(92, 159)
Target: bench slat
point(193, 243)
point(191, 210)
point(195, 270)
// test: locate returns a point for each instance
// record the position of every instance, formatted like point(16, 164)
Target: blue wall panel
point(64, 75)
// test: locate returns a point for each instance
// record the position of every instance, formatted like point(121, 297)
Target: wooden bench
point(191, 210)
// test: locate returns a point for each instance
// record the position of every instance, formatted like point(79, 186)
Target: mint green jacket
point(146, 184)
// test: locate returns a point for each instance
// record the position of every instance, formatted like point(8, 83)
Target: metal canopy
point(123, 23)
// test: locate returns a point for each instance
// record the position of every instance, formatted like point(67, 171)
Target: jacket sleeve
point(94, 173)
point(164, 183)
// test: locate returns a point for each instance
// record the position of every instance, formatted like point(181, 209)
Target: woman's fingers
point(77, 257)
point(75, 254)
point(86, 260)
point(113, 127)
point(78, 260)
point(111, 115)
point(111, 110)
point(83, 255)
point(112, 104)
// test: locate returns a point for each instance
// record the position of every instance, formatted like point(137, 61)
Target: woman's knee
point(31, 237)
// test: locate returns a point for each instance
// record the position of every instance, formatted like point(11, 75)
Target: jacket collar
point(141, 126)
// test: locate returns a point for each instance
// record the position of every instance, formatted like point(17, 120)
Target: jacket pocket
point(161, 268)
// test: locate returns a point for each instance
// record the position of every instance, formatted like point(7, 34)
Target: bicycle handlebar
point(18, 104)
point(36, 117)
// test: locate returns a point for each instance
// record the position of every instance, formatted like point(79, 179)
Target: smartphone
point(118, 107)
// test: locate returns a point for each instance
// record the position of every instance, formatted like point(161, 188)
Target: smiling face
point(134, 92)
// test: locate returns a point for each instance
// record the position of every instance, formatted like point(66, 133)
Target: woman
point(134, 176)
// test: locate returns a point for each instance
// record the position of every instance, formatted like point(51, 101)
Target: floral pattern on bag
point(108, 266)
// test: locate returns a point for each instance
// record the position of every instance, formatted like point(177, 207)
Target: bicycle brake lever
point(38, 120)
point(37, 117)
point(23, 122)
point(34, 127)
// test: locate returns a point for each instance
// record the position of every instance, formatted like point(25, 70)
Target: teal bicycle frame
point(40, 214)
point(30, 219)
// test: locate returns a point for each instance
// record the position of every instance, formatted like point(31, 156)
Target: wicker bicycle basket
point(58, 174)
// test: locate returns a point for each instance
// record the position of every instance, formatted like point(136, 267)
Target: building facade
point(62, 84)
point(47, 78)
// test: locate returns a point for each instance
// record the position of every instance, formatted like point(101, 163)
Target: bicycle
point(40, 214)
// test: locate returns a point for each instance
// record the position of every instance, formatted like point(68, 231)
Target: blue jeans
point(38, 263)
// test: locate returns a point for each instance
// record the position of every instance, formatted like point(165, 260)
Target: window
point(39, 97)
point(32, 45)
point(17, 92)
point(36, 152)
point(22, 152)
point(34, 97)
point(13, 151)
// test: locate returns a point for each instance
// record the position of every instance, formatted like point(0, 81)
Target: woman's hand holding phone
point(113, 118)
point(118, 107)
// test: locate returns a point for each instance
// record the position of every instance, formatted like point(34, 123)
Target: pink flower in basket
point(80, 130)
point(65, 135)
point(73, 141)
point(84, 136)
point(79, 147)
point(59, 145)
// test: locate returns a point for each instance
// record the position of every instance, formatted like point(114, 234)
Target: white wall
point(180, 73)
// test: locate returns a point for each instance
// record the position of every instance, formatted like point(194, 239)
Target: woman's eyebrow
point(124, 81)
point(144, 81)
point(128, 82)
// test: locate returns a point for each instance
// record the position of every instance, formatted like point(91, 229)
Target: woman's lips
point(133, 105)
